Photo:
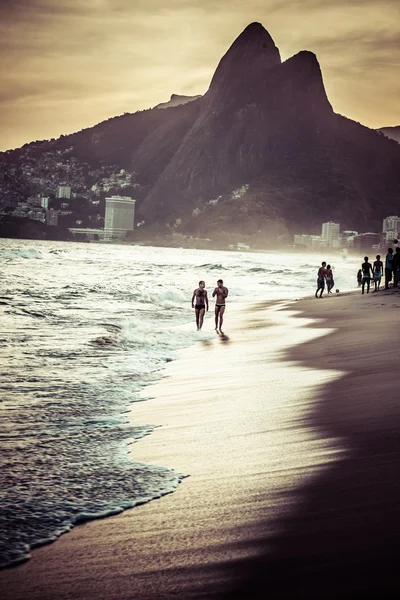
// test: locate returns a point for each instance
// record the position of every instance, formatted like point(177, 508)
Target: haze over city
point(67, 65)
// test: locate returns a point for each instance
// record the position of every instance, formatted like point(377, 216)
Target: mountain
point(392, 133)
point(177, 100)
point(262, 153)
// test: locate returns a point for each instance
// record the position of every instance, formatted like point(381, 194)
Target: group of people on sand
point(367, 273)
point(200, 304)
point(375, 271)
point(324, 276)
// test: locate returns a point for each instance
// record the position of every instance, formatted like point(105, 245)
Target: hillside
point(392, 133)
point(261, 153)
point(177, 100)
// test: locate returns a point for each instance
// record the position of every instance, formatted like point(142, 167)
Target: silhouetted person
point(377, 272)
point(321, 279)
point(222, 293)
point(396, 267)
point(329, 279)
point(366, 269)
point(201, 303)
point(359, 277)
point(388, 267)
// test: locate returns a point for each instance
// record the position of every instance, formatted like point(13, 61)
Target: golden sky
point(69, 64)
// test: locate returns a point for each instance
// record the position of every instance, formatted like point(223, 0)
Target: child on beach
point(377, 272)
point(359, 277)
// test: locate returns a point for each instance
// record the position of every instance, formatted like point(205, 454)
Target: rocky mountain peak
point(251, 54)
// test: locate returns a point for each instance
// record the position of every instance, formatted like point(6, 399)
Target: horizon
point(58, 83)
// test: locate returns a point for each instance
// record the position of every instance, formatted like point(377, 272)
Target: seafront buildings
point(332, 238)
point(119, 217)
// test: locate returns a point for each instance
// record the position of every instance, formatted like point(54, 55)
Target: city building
point(365, 242)
point(317, 243)
point(44, 202)
point(52, 217)
point(330, 234)
point(34, 200)
point(63, 191)
point(310, 241)
point(390, 229)
point(37, 215)
point(119, 217)
point(346, 238)
point(299, 240)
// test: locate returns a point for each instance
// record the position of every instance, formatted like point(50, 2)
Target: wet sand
point(289, 430)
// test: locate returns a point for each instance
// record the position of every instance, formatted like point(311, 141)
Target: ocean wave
point(258, 270)
point(46, 513)
point(166, 340)
point(166, 297)
point(212, 267)
point(27, 253)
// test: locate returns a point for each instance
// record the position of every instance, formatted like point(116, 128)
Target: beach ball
point(337, 291)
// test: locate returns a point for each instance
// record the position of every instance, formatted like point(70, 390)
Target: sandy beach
point(288, 429)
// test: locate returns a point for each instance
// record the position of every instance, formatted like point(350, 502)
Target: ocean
point(85, 328)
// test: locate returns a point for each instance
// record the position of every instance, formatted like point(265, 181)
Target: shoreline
point(187, 520)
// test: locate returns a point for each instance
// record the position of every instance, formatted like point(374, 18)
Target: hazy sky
point(68, 64)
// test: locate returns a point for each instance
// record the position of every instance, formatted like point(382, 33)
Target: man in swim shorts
point(329, 279)
point(222, 293)
point(321, 279)
point(366, 269)
point(201, 297)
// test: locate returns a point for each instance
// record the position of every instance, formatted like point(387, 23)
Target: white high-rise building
point(391, 228)
point(330, 233)
point(64, 191)
point(119, 217)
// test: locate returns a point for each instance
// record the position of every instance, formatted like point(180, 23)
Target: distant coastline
point(26, 229)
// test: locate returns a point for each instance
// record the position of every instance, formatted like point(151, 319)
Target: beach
point(287, 427)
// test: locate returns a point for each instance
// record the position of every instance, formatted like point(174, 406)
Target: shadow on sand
point(343, 539)
point(224, 338)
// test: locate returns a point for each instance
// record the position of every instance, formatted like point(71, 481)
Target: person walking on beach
point(321, 279)
point(388, 267)
point(366, 269)
point(329, 279)
point(201, 297)
point(222, 293)
point(396, 267)
point(377, 272)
